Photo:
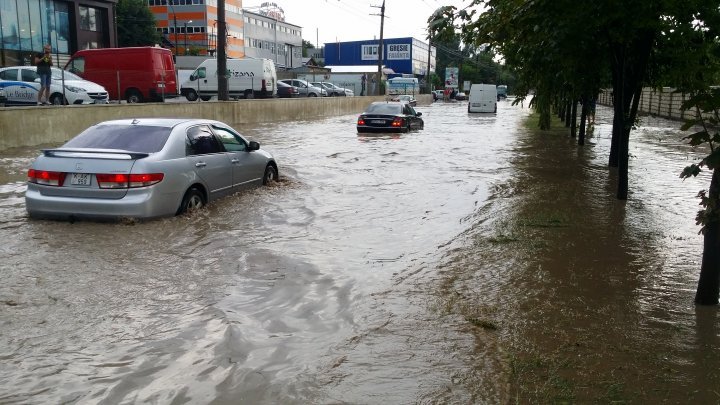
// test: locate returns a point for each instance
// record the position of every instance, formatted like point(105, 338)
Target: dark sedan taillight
point(361, 121)
point(397, 122)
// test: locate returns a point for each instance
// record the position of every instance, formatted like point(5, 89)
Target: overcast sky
point(351, 20)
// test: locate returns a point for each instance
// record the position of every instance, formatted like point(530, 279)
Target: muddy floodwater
point(475, 261)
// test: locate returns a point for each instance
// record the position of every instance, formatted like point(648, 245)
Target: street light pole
point(170, 3)
point(186, 49)
point(380, 47)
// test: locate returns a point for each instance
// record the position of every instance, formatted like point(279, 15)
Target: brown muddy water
point(475, 261)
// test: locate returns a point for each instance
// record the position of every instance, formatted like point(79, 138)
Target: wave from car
point(22, 84)
point(144, 168)
point(389, 116)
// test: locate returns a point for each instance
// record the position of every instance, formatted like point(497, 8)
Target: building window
point(90, 19)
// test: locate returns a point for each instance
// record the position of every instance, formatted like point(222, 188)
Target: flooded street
point(472, 262)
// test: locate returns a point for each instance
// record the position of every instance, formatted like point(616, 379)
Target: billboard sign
point(451, 77)
point(398, 51)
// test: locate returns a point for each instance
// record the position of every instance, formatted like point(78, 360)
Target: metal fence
point(665, 103)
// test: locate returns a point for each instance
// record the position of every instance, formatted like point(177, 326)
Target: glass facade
point(26, 25)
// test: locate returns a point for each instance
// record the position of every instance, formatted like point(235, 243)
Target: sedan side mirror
point(253, 146)
point(419, 114)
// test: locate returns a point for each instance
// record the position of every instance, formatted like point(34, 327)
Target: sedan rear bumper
point(140, 203)
point(367, 129)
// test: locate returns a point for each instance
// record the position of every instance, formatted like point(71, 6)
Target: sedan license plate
point(81, 179)
point(377, 121)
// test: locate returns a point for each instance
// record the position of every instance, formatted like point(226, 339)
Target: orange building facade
point(191, 26)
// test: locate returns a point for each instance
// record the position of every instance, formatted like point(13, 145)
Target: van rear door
point(170, 74)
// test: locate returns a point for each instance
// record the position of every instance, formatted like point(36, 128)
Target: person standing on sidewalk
point(43, 62)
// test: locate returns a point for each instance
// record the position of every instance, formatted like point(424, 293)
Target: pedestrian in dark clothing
point(44, 62)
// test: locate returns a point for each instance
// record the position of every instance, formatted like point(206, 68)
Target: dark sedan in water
point(389, 116)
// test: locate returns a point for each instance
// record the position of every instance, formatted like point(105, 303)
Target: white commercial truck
point(247, 78)
point(482, 99)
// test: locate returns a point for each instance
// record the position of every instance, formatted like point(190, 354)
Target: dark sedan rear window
point(384, 108)
point(136, 138)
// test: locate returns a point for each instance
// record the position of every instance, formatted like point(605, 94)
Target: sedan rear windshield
point(135, 138)
point(384, 108)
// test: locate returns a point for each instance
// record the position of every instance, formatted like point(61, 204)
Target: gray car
point(306, 89)
point(333, 90)
point(144, 168)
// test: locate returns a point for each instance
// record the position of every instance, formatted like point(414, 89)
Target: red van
point(135, 74)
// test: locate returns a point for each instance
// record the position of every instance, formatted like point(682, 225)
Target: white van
point(247, 78)
point(483, 98)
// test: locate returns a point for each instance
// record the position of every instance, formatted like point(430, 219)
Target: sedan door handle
point(200, 164)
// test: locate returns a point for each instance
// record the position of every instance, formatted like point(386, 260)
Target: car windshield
point(384, 108)
point(135, 138)
point(57, 74)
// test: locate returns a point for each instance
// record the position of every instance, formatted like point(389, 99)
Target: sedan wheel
point(192, 201)
point(270, 175)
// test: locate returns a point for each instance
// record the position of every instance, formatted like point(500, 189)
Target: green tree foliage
point(305, 46)
point(136, 24)
point(476, 64)
point(562, 50)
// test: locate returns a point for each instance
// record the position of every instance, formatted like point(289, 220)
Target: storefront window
point(24, 25)
point(9, 31)
point(61, 28)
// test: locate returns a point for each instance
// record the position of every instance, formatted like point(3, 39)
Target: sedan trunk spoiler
point(95, 153)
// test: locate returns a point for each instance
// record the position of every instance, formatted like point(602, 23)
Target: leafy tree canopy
point(136, 24)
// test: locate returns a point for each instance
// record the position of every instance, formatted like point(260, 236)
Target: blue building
point(402, 55)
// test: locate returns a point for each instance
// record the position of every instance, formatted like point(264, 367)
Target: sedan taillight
point(46, 178)
point(128, 180)
point(361, 121)
point(397, 122)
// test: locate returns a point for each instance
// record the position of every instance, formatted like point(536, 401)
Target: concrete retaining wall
point(31, 126)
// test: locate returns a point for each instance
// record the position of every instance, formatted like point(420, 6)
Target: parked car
point(405, 98)
point(285, 90)
point(460, 96)
point(333, 90)
point(389, 116)
point(306, 89)
point(22, 84)
point(144, 168)
point(437, 95)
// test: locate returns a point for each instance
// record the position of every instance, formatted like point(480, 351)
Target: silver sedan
point(145, 168)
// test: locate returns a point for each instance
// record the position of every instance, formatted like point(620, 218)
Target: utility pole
point(223, 94)
point(427, 74)
point(380, 45)
point(174, 26)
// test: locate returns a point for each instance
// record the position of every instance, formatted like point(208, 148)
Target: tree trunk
point(583, 118)
point(629, 64)
point(568, 113)
point(573, 120)
point(708, 290)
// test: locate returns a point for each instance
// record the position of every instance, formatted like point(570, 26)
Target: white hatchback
point(22, 84)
